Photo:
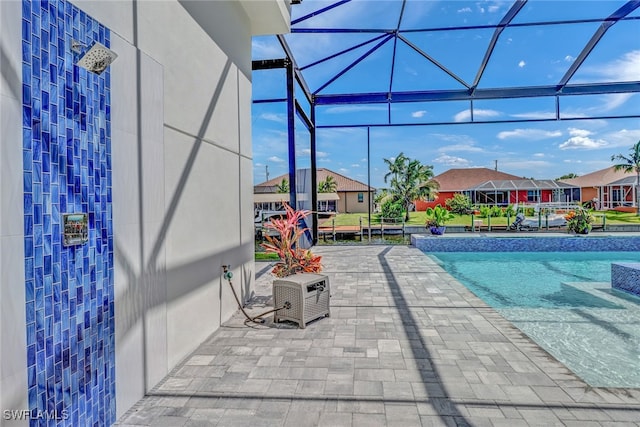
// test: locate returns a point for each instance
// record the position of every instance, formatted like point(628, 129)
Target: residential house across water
point(350, 196)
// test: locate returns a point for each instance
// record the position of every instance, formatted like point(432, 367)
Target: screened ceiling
point(461, 54)
point(386, 70)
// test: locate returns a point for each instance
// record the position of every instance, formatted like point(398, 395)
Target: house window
point(327, 206)
point(360, 198)
point(616, 195)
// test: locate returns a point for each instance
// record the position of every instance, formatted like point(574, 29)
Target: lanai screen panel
point(386, 68)
point(395, 51)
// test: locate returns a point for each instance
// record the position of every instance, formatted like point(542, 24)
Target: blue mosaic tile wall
point(67, 169)
point(626, 276)
point(526, 244)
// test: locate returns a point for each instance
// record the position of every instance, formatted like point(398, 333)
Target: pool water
point(564, 302)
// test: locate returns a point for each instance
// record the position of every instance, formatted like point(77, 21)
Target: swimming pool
point(564, 302)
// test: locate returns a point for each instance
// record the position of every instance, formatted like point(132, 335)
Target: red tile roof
point(344, 183)
point(463, 179)
point(597, 178)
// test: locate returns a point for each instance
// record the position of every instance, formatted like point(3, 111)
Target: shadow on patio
point(405, 345)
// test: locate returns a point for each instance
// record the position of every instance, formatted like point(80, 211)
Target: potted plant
point(579, 221)
point(285, 243)
point(436, 219)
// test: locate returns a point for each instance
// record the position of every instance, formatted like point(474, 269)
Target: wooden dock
point(357, 230)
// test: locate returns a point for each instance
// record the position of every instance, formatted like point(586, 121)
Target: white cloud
point(319, 154)
point(521, 64)
point(269, 143)
point(418, 114)
point(279, 118)
point(623, 138)
point(457, 142)
point(363, 160)
point(265, 47)
point(486, 113)
point(461, 147)
point(465, 115)
point(582, 142)
point(535, 115)
point(275, 159)
point(623, 69)
point(538, 155)
point(531, 134)
point(453, 137)
point(335, 135)
point(614, 100)
point(355, 165)
point(595, 123)
point(464, 10)
point(343, 170)
point(569, 58)
point(493, 8)
point(579, 132)
point(452, 161)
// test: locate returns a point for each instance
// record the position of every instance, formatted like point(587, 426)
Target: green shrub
point(496, 211)
point(391, 210)
point(491, 211)
point(459, 204)
point(485, 211)
point(509, 211)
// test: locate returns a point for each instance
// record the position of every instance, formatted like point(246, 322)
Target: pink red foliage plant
point(293, 259)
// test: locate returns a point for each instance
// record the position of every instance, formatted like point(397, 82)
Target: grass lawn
point(615, 217)
point(419, 219)
point(264, 256)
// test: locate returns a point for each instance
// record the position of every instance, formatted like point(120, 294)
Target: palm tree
point(410, 181)
point(329, 185)
point(283, 187)
point(396, 166)
point(630, 164)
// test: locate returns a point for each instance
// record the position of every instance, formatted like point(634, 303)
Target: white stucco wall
point(182, 181)
point(138, 201)
point(13, 351)
point(181, 147)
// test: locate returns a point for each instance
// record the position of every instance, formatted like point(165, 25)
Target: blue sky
point(523, 56)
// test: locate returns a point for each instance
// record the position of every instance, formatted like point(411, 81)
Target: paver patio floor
point(406, 345)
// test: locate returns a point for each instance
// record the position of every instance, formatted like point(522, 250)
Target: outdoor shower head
point(96, 59)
